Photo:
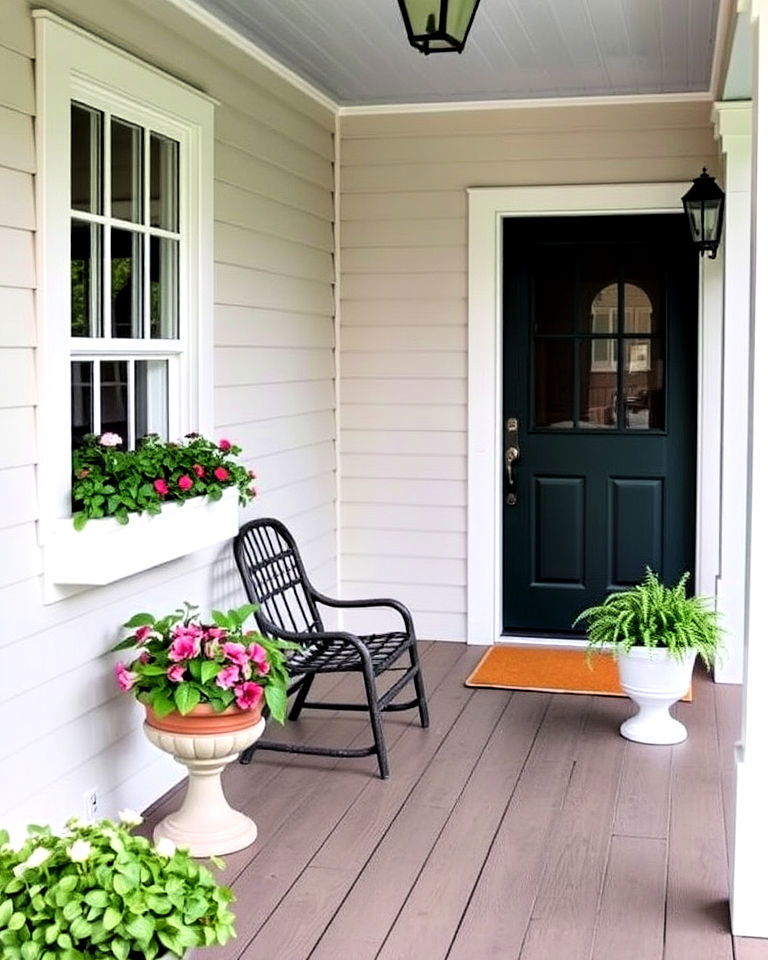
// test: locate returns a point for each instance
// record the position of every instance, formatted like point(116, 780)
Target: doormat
point(549, 670)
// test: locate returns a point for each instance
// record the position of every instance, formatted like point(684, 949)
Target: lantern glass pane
point(424, 16)
point(711, 215)
point(694, 220)
point(459, 17)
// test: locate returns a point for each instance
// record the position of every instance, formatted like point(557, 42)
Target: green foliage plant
point(180, 662)
point(652, 615)
point(109, 481)
point(98, 890)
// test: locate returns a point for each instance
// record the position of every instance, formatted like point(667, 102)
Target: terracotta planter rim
point(203, 719)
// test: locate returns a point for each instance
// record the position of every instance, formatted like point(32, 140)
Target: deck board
point(520, 826)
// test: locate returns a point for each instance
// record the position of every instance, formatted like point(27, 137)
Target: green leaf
point(30, 950)
point(79, 520)
point(72, 909)
point(141, 928)
point(111, 918)
point(208, 670)
point(6, 910)
point(276, 701)
point(121, 885)
point(186, 697)
point(162, 704)
point(67, 883)
point(17, 921)
point(120, 948)
point(220, 619)
point(158, 904)
point(140, 620)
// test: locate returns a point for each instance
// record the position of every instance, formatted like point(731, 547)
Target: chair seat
point(330, 656)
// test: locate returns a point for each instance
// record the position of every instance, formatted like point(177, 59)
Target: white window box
point(105, 550)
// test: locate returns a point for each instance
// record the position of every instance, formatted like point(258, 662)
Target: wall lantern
point(438, 26)
point(704, 204)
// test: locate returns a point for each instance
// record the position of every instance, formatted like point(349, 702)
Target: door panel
point(600, 323)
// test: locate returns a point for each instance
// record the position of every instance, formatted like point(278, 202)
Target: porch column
point(749, 915)
point(733, 125)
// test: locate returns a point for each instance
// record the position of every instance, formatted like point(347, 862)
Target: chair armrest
point(377, 602)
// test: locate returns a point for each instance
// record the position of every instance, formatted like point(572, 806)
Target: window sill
point(106, 551)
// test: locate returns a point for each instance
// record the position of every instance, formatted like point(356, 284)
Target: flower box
point(106, 550)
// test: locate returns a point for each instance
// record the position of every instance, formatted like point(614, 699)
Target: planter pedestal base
point(206, 824)
point(655, 681)
point(653, 725)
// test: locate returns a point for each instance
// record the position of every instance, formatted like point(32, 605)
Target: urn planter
point(205, 742)
point(654, 680)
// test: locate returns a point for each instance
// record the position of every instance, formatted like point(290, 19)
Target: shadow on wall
point(226, 590)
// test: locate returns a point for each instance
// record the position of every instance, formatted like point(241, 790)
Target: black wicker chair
point(274, 577)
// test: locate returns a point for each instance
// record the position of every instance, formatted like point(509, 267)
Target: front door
point(599, 411)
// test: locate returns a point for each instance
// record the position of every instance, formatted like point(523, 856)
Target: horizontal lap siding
point(403, 337)
point(273, 393)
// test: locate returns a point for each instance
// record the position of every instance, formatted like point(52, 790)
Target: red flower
point(251, 474)
point(161, 486)
point(225, 445)
point(221, 473)
point(185, 482)
point(198, 470)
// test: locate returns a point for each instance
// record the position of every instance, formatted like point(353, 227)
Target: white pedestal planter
point(654, 681)
point(206, 824)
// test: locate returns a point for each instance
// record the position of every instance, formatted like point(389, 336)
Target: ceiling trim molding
point(223, 30)
point(703, 96)
point(721, 54)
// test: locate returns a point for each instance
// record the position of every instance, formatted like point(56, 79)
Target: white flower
point(38, 856)
point(165, 847)
point(110, 439)
point(130, 818)
point(79, 851)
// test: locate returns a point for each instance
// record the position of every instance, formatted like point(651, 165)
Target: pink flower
point(252, 491)
point(228, 677)
point(183, 648)
point(176, 673)
point(125, 678)
point(145, 656)
point(198, 470)
point(192, 630)
point(185, 482)
point(235, 652)
point(212, 648)
point(161, 486)
point(247, 695)
point(221, 473)
point(143, 634)
point(258, 654)
point(225, 445)
point(110, 439)
point(216, 633)
point(252, 474)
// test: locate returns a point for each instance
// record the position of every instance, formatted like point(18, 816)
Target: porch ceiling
point(357, 53)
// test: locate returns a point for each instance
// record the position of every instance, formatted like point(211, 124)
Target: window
point(125, 250)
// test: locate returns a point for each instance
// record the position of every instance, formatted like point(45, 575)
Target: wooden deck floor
point(520, 825)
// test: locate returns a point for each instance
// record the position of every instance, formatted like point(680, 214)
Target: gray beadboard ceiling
point(356, 51)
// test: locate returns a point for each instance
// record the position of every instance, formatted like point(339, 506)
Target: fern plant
point(653, 615)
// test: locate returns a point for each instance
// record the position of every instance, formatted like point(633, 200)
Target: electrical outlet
point(91, 804)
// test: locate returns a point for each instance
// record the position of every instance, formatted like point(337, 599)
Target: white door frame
point(488, 206)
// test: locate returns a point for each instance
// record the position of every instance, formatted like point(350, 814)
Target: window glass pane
point(554, 383)
point(598, 268)
point(114, 398)
point(644, 384)
point(597, 383)
point(151, 393)
point(126, 146)
point(82, 400)
point(554, 292)
point(85, 159)
point(85, 280)
point(126, 283)
point(163, 182)
point(163, 288)
point(638, 310)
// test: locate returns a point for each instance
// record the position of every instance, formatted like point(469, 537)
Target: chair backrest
point(274, 577)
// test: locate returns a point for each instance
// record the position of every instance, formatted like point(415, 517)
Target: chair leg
point(418, 683)
point(301, 696)
point(375, 715)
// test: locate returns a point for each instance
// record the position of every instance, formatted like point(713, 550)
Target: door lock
point(511, 456)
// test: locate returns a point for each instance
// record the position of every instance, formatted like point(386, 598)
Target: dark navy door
point(599, 400)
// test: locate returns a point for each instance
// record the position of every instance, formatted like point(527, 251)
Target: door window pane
point(85, 279)
point(126, 283)
point(114, 398)
point(85, 158)
point(597, 383)
point(553, 367)
point(597, 288)
point(151, 393)
point(643, 384)
point(163, 288)
point(553, 294)
point(163, 182)
point(82, 400)
point(638, 310)
point(127, 152)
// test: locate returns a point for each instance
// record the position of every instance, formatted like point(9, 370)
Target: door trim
point(488, 206)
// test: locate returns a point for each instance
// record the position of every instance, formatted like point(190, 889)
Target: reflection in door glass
point(554, 383)
point(643, 384)
point(597, 383)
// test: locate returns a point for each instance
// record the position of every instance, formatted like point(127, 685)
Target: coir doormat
point(548, 669)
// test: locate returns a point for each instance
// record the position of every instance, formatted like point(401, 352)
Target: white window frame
point(71, 65)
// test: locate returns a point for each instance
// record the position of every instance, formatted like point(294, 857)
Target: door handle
point(511, 456)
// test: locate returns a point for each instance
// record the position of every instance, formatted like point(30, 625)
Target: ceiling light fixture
point(438, 26)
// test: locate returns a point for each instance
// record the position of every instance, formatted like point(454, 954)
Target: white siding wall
point(63, 729)
point(404, 313)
